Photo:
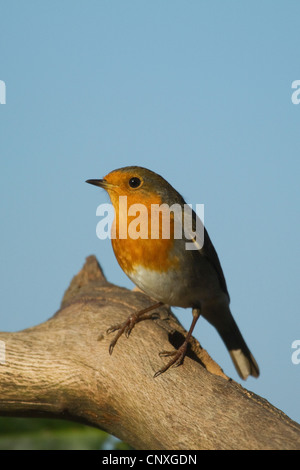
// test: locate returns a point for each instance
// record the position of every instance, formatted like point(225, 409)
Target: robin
point(165, 269)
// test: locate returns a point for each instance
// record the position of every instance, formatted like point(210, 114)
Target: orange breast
point(151, 254)
point(142, 222)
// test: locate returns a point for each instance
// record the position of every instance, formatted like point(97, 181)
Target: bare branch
point(62, 369)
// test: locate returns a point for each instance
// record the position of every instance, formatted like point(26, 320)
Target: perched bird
point(164, 268)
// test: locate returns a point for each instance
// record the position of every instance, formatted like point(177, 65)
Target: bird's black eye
point(134, 182)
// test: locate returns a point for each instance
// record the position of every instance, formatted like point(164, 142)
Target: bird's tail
point(241, 356)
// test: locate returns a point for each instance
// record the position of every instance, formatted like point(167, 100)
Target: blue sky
point(199, 92)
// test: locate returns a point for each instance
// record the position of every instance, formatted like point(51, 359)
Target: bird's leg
point(179, 354)
point(127, 326)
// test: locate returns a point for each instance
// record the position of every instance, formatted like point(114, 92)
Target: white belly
point(160, 286)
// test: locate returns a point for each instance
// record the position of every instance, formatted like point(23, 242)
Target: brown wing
point(208, 250)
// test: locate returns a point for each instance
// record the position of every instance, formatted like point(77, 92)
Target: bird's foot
point(177, 359)
point(127, 326)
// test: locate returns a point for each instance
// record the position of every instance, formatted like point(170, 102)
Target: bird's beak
point(101, 183)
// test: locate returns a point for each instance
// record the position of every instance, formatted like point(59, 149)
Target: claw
point(128, 330)
point(167, 353)
point(127, 326)
point(113, 328)
point(179, 355)
point(176, 361)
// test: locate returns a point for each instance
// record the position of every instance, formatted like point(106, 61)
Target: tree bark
point(62, 368)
